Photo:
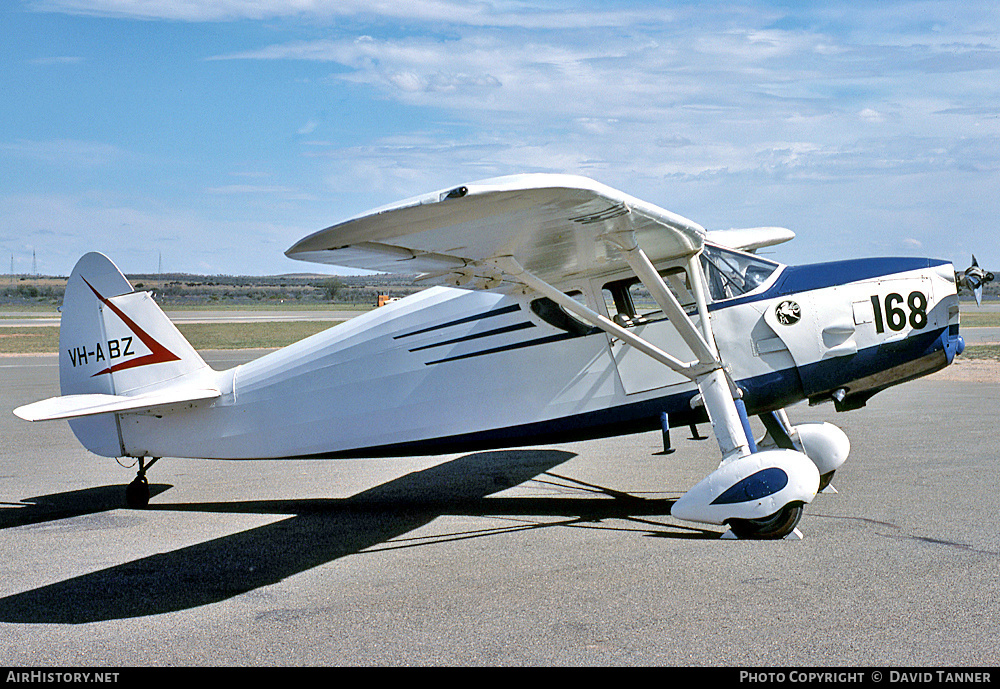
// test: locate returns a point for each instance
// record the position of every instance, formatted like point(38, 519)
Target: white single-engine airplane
point(561, 309)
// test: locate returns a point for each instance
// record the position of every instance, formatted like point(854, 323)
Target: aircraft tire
point(774, 527)
point(137, 493)
point(825, 479)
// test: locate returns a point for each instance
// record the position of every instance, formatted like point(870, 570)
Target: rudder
point(116, 341)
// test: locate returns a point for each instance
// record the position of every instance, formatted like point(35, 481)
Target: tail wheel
point(776, 526)
point(137, 493)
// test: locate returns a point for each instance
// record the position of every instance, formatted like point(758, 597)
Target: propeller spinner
point(974, 278)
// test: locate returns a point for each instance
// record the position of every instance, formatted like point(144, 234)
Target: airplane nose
point(952, 343)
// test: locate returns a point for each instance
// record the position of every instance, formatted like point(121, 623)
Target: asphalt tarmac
point(562, 555)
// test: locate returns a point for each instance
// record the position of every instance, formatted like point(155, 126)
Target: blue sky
point(215, 134)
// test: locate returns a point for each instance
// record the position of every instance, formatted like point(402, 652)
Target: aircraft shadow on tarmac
point(318, 531)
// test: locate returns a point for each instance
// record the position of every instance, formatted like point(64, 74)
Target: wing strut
point(513, 269)
point(724, 410)
point(701, 343)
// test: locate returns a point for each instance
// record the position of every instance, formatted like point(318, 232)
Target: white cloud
point(59, 60)
point(871, 115)
point(881, 112)
point(65, 152)
point(251, 189)
point(434, 12)
point(308, 128)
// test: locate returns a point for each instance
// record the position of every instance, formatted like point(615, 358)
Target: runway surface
point(560, 555)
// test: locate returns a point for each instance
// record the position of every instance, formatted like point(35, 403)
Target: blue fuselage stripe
point(795, 279)
point(468, 319)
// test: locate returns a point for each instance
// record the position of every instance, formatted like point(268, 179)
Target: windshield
point(730, 273)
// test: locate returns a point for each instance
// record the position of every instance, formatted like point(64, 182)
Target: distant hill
point(182, 289)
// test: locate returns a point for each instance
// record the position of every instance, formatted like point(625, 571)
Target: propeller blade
point(974, 278)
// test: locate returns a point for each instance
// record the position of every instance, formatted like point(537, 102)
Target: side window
point(630, 303)
point(557, 316)
point(643, 303)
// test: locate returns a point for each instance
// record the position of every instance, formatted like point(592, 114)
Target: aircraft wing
point(553, 225)
point(751, 238)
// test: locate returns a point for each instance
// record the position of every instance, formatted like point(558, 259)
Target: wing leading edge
point(553, 225)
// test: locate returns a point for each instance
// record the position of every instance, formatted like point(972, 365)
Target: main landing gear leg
point(137, 492)
point(760, 492)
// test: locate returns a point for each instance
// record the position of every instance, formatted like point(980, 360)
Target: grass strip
point(986, 351)
point(29, 340)
point(980, 319)
point(45, 339)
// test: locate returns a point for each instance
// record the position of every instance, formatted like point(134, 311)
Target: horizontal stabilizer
point(73, 406)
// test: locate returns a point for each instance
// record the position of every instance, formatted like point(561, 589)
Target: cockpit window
point(630, 303)
point(730, 274)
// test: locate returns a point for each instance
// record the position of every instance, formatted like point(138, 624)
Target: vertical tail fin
point(116, 341)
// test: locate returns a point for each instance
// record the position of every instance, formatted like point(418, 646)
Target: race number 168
point(898, 313)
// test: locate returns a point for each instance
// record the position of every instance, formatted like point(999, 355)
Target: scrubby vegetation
point(227, 290)
point(45, 339)
point(232, 290)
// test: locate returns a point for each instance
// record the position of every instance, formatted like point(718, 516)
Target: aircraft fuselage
point(449, 370)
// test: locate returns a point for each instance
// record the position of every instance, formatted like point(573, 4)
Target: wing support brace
point(757, 492)
point(707, 372)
